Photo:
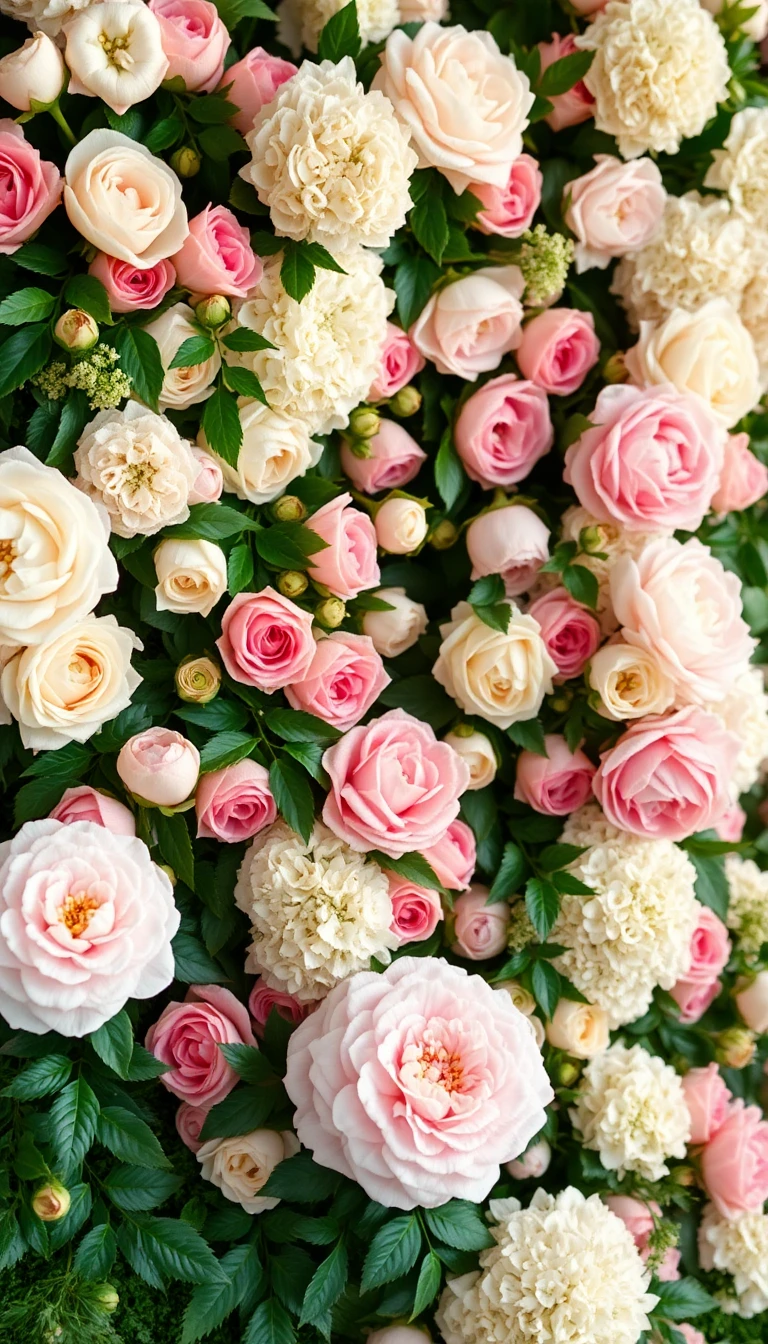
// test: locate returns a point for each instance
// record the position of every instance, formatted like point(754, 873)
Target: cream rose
point(275, 450)
point(123, 200)
point(630, 683)
point(181, 387)
point(115, 52)
point(581, 1029)
point(503, 677)
point(401, 525)
point(191, 576)
point(240, 1167)
point(477, 750)
point(65, 689)
point(468, 326)
point(397, 629)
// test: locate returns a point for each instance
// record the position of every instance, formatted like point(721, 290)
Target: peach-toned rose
point(266, 640)
point(194, 40)
point(187, 1036)
point(557, 783)
point(255, 81)
point(34, 72)
point(129, 288)
point(512, 542)
point(416, 911)
point(502, 676)
point(558, 349)
point(707, 1098)
point(234, 803)
point(502, 430)
point(401, 525)
point(394, 459)
point(83, 803)
point(577, 104)
point(400, 362)
point(734, 1163)
point(344, 679)
point(468, 326)
point(241, 1166)
point(159, 765)
point(508, 210)
point(453, 857)
point(347, 564)
point(216, 256)
point(751, 999)
point(743, 479)
point(614, 209)
point(30, 187)
point(569, 630)
point(581, 1029)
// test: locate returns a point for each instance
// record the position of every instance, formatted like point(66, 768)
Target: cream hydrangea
point(631, 1110)
point(744, 712)
point(319, 911)
point(588, 825)
point(754, 306)
point(302, 21)
point(607, 543)
point(740, 168)
point(739, 1247)
point(748, 904)
point(660, 69)
point(328, 346)
point(565, 1270)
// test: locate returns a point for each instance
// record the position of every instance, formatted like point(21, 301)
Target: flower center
point(8, 553)
point(139, 475)
point(116, 51)
point(438, 1066)
point(627, 684)
point(76, 911)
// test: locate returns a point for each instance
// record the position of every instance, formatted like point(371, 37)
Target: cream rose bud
point(752, 1001)
point(241, 1167)
point(275, 450)
point(533, 1163)
point(36, 71)
point(501, 676)
point(401, 525)
point(396, 630)
point(400, 1334)
point(613, 209)
point(160, 766)
point(115, 52)
point(581, 1029)
point(467, 327)
point(68, 687)
point(629, 682)
point(186, 386)
point(521, 997)
point(191, 576)
point(477, 750)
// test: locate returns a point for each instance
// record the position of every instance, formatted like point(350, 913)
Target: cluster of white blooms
point(302, 21)
point(319, 910)
point(631, 1110)
point(744, 712)
point(565, 1270)
point(748, 903)
point(740, 168)
point(754, 310)
point(738, 1246)
point(588, 825)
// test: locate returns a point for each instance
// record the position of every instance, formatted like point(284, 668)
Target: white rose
point(502, 676)
point(521, 997)
point(36, 71)
point(115, 52)
point(240, 1167)
point(477, 751)
point(191, 576)
point(396, 630)
point(630, 683)
point(581, 1029)
point(187, 386)
point(124, 200)
point(65, 689)
point(709, 353)
point(532, 1165)
point(275, 450)
point(416, 11)
point(401, 525)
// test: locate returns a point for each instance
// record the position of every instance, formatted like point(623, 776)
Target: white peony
point(748, 903)
point(319, 911)
point(302, 21)
point(275, 450)
point(331, 161)
point(564, 1271)
point(631, 1110)
point(740, 168)
point(189, 385)
point(744, 712)
point(48, 15)
point(739, 1247)
point(115, 52)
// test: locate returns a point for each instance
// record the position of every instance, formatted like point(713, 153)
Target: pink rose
point(558, 349)
point(453, 857)
point(217, 257)
point(189, 1122)
point(194, 39)
point(266, 640)
point(614, 209)
point(130, 290)
point(693, 998)
point(512, 542)
point(734, 1163)
point(509, 210)
point(569, 630)
point(731, 824)
point(187, 1036)
point(568, 109)
point(668, 775)
point(710, 948)
point(502, 430)
point(480, 930)
point(395, 458)
point(400, 362)
point(82, 803)
point(557, 783)
point(467, 327)
point(652, 460)
point(255, 81)
point(262, 1000)
point(417, 1083)
point(394, 787)
point(159, 765)
point(347, 565)
point(234, 803)
point(209, 481)
point(344, 679)
point(30, 187)
point(416, 911)
point(690, 1334)
point(638, 1219)
point(707, 1098)
point(743, 479)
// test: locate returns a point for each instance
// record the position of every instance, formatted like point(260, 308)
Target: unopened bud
point(561, 702)
point(358, 447)
point(683, 1175)
point(615, 370)
point(289, 509)
point(76, 330)
point(533, 1163)
point(186, 161)
point(464, 730)
point(330, 612)
point(405, 402)
point(364, 422)
point(444, 535)
point(735, 1047)
point(166, 867)
point(106, 1296)
point(51, 1202)
point(213, 311)
point(567, 1074)
point(292, 583)
point(591, 540)
point(198, 680)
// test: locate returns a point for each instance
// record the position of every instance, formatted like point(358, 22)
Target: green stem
point(60, 119)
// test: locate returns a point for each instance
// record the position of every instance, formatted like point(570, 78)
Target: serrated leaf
point(293, 794)
point(559, 856)
point(40, 1078)
point(326, 1286)
point(561, 75)
point(245, 383)
point(129, 1138)
point(414, 278)
point(429, 224)
point(140, 359)
point(175, 845)
point(243, 339)
point(176, 1249)
point(546, 985)
point(270, 1324)
point(295, 725)
point(113, 1043)
point(219, 716)
point(22, 355)
point(221, 425)
point(211, 522)
point(422, 697)
point(210, 1304)
point(164, 134)
point(248, 1062)
point(569, 885)
point(449, 472)
point(428, 1283)
point(413, 867)
point(297, 272)
point(458, 1223)
point(487, 591)
point(543, 904)
point(340, 35)
point(192, 963)
point(73, 1117)
point(26, 305)
point(221, 142)
point(497, 617)
point(509, 875)
point(392, 1253)
point(711, 883)
point(529, 736)
point(211, 110)
point(138, 1189)
point(581, 584)
point(75, 414)
point(681, 1298)
point(226, 749)
point(96, 1253)
point(242, 1111)
point(239, 570)
point(301, 1180)
point(88, 293)
point(288, 545)
point(194, 350)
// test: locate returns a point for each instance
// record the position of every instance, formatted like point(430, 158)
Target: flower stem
point(60, 119)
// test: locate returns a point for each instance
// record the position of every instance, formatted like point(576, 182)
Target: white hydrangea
point(754, 305)
point(48, 15)
point(328, 346)
point(331, 161)
point(744, 712)
point(319, 911)
point(610, 541)
point(565, 1270)
point(635, 932)
point(738, 1246)
point(588, 825)
point(740, 168)
point(660, 69)
point(748, 903)
point(631, 1110)
point(701, 251)
point(302, 21)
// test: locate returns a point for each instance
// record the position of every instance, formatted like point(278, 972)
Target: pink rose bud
point(743, 479)
point(189, 1122)
point(345, 677)
point(638, 1218)
point(263, 999)
point(558, 349)
point(569, 630)
point(467, 327)
point(557, 783)
point(187, 1036)
point(217, 257)
point(508, 210)
point(588, 6)
point(400, 362)
point(734, 1163)
point(194, 39)
point(532, 1165)
point(130, 290)
point(266, 640)
point(480, 930)
point(395, 458)
point(255, 81)
point(512, 542)
point(752, 1002)
point(235, 803)
point(209, 481)
point(347, 566)
point(416, 911)
point(453, 857)
point(401, 525)
point(568, 109)
point(159, 766)
point(615, 208)
point(503, 430)
point(34, 187)
point(707, 1098)
point(694, 998)
point(731, 824)
point(82, 803)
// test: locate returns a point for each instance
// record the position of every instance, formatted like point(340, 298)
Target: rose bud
point(445, 535)
point(289, 509)
point(107, 1297)
point(557, 783)
point(735, 1047)
point(752, 1001)
point(406, 402)
point(51, 1202)
point(398, 629)
point(292, 583)
point(533, 1163)
point(34, 71)
point(186, 161)
point(364, 422)
point(401, 525)
point(512, 542)
point(213, 311)
point(76, 330)
point(480, 930)
point(198, 680)
point(159, 766)
point(476, 749)
point(330, 612)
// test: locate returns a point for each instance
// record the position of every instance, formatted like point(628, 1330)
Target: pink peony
point(255, 81)
point(30, 187)
point(557, 783)
point(159, 765)
point(266, 640)
point(503, 430)
point(344, 679)
point(508, 211)
point(189, 1122)
point(188, 1035)
point(512, 542)
point(480, 930)
point(394, 787)
point(262, 1000)
point(693, 998)
point(558, 349)
point(234, 803)
point(569, 630)
point(395, 458)
point(209, 481)
point(86, 922)
point(416, 911)
point(194, 39)
point(82, 803)
point(216, 256)
point(130, 290)
point(453, 857)
point(417, 1083)
point(347, 565)
point(743, 479)
point(707, 1098)
point(734, 1163)
point(400, 362)
point(568, 109)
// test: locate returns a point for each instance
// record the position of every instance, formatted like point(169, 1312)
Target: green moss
point(717, 1327)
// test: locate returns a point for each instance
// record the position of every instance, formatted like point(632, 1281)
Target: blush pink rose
point(558, 349)
point(130, 290)
point(690, 1334)
point(568, 109)
point(347, 565)
point(394, 787)
point(416, 911)
point(569, 630)
point(374, 1101)
point(480, 930)
point(710, 948)
point(743, 479)
point(615, 208)
point(159, 765)
point(216, 256)
point(512, 542)
point(731, 824)
point(638, 1218)
point(453, 858)
point(400, 362)
point(707, 1098)
point(508, 211)
point(262, 1000)
point(395, 458)
point(693, 998)
point(234, 803)
point(651, 461)
point(734, 1163)
point(209, 481)
point(82, 803)
point(194, 40)
point(502, 430)
point(30, 187)
point(557, 783)
point(189, 1122)
point(266, 640)
point(255, 81)
point(187, 1036)
point(668, 775)
point(344, 679)
point(467, 327)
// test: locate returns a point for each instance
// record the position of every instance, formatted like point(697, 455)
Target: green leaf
point(327, 1283)
point(301, 1180)
point(210, 1304)
point(211, 110)
point(42, 426)
point(321, 257)
point(144, 1066)
point(422, 697)
point(26, 305)
point(529, 736)
point(293, 795)
point(226, 749)
point(270, 1324)
point(559, 856)
point(458, 1223)
point(22, 355)
point(581, 584)
point(232, 11)
point(297, 272)
point(449, 472)
point(40, 259)
point(194, 350)
point(392, 1253)
point(138, 1189)
point(164, 134)
point(413, 867)
point(36, 799)
point(239, 569)
point(340, 36)
point(221, 142)
point(175, 1249)
point(568, 885)
point(509, 875)
point(192, 964)
point(176, 846)
point(429, 224)
point(130, 122)
point(288, 545)
point(680, 1299)
point(487, 592)
point(242, 338)
point(129, 1138)
point(221, 425)
point(245, 383)
point(711, 882)
point(40, 1078)
point(245, 1109)
point(294, 725)
point(73, 1118)
point(140, 359)
point(414, 278)
point(96, 1253)
point(113, 1043)
point(497, 618)
point(543, 905)
point(546, 985)
point(218, 717)
point(211, 522)
point(248, 1062)
point(88, 293)
point(75, 414)
point(65, 765)
point(428, 1284)
point(561, 75)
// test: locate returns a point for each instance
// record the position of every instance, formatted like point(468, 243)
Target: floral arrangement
point(383, 726)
